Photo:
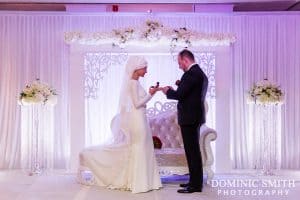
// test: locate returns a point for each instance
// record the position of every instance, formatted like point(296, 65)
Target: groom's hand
point(177, 82)
point(165, 89)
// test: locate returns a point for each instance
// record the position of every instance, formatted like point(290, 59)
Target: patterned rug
point(175, 179)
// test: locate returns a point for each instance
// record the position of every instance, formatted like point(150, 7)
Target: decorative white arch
point(151, 39)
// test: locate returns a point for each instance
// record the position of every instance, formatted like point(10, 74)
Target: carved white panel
point(95, 67)
point(207, 62)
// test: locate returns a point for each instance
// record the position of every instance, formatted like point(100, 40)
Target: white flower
point(46, 92)
point(257, 90)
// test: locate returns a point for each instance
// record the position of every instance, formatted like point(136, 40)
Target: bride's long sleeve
point(137, 101)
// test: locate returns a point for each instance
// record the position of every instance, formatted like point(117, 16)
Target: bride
point(128, 162)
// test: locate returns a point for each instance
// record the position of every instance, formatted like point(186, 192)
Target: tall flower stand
point(264, 138)
point(268, 138)
point(37, 137)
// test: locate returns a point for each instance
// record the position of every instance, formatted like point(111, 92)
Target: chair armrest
point(207, 135)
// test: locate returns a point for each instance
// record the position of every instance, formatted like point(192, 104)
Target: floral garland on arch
point(38, 93)
point(265, 93)
point(150, 34)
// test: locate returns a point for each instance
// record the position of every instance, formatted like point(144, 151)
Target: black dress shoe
point(184, 185)
point(189, 189)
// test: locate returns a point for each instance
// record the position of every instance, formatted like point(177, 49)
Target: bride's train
point(124, 167)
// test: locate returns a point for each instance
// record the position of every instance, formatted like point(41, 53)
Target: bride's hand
point(153, 90)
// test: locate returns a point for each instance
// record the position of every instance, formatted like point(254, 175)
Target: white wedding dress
point(128, 163)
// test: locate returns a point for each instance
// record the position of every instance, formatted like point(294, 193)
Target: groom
point(190, 94)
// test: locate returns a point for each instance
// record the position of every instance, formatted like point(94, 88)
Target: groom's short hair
point(188, 54)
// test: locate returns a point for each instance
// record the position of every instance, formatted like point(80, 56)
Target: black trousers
point(190, 137)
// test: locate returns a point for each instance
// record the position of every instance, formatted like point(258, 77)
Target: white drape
point(267, 46)
point(31, 47)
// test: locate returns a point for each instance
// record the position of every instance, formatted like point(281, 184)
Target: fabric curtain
point(267, 47)
point(32, 47)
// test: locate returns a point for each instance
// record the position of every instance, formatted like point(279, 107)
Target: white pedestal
point(267, 138)
point(37, 138)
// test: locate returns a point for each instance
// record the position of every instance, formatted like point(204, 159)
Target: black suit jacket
point(191, 94)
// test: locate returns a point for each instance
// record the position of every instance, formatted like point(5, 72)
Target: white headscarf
point(133, 63)
point(119, 124)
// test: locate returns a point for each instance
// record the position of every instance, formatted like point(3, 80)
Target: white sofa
point(171, 158)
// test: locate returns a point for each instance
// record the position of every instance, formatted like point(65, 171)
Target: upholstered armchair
point(171, 157)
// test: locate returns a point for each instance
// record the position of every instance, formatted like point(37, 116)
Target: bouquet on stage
point(38, 93)
point(265, 93)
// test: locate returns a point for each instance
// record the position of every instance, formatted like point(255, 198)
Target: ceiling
point(154, 5)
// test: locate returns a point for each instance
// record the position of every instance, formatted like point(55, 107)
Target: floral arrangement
point(181, 35)
point(38, 92)
point(265, 93)
point(153, 30)
point(76, 36)
point(150, 34)
point(123, 36)
point(157, 142)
